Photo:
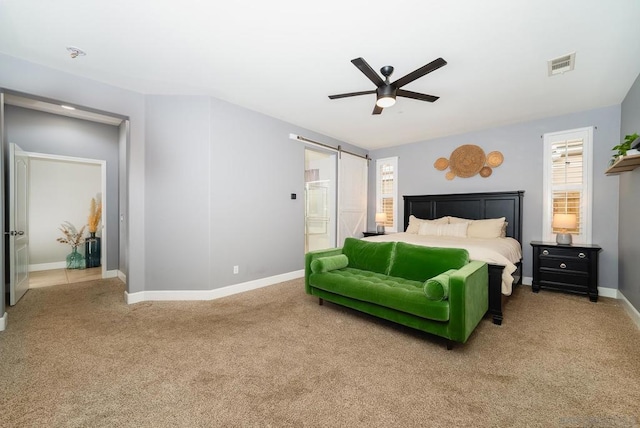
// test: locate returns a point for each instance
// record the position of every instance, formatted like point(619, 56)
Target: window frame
point(394, 194)
point(586, 206)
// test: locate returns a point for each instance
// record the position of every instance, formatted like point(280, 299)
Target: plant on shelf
point(95, 214)
point(623, 147)
point(74, 238)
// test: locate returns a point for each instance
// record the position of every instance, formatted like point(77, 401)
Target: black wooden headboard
point(475, 206)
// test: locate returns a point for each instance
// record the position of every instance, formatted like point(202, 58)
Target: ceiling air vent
point(561, 65)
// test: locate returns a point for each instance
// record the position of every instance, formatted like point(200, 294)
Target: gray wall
point(40, 132)
point(177, 193)
point(218, 184)
point(521, 145)
point(629, 232)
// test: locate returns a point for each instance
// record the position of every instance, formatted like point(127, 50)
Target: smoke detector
point(562, 64)
point(75, 52)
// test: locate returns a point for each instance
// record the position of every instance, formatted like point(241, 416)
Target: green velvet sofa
point(436, 290)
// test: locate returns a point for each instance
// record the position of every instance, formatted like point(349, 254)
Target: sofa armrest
point(311, 256)
point(468, 299)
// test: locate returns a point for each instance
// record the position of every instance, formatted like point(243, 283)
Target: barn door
point(352, 196)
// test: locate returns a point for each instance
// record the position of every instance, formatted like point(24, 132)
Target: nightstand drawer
point(559, 277)
point(566, 264)
point(564, 252)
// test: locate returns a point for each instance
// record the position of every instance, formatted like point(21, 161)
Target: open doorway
point(60, 190)
point(320, 200)
point(41, 126)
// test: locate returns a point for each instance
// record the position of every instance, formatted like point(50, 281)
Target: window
point(387, 191)
point(567, 181)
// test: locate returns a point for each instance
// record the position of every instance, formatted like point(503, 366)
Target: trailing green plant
point(625, 146)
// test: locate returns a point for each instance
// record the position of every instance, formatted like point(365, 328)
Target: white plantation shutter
point(567, 179)
point(387, 191)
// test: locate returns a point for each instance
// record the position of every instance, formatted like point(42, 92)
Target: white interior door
point(352, 197)
point(18, 224)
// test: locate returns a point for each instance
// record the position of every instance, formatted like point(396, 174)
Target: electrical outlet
point(236, 269)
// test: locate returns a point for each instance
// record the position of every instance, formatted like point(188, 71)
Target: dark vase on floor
point(92, 250)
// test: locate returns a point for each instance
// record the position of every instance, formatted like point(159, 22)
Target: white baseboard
point(110, 274)
point(608, 292)
point(47, 266)
point(122, 276)
point(527, 280)
point(633, 312)
point(3, 322)
point(143, 296)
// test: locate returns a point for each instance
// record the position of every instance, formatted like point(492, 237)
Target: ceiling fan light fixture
point(385, 96)
point(385, 101)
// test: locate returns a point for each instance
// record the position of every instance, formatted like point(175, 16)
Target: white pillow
point(490, 228)
point(453, 220)
point(414, 223)
point(458, 230)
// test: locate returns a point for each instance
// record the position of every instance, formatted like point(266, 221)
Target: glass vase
point(75, 260)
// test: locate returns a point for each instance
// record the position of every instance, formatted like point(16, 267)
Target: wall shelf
point(624, 163)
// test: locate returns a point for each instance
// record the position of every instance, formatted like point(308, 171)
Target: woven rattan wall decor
point(467, 161)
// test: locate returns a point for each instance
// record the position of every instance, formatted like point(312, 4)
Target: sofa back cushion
point(371, 256)
point(420, 263)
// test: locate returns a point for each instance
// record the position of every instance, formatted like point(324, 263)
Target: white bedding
point(501, 251)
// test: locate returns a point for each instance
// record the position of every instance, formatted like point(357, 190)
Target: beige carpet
point(76, 355)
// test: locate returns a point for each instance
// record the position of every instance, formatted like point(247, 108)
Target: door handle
point(16, 233)
point(20, 232)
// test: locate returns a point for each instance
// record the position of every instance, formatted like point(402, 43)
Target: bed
point(503, 273)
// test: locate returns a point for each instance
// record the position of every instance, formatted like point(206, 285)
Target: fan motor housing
point(386, 91)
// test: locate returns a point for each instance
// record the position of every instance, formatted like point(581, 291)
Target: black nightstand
point(372, 234)
point(572, 268)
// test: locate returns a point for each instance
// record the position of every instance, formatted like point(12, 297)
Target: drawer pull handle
point(563, 266)
point(545, 252)
point(582, 255)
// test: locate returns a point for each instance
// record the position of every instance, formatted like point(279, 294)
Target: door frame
point(103, 191)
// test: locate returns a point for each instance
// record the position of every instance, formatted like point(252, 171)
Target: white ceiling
point(284, 57)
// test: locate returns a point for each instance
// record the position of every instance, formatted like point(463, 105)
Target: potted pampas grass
point(92, 246)
point(74, 238)
point(95, 214)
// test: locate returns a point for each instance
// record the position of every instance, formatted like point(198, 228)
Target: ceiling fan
point(386, 92)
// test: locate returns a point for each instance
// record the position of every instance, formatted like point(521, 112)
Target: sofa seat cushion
point(392, 292)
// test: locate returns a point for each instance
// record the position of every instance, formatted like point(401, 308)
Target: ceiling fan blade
point(352, 94)
point(432, 66)
point(416, 95)
point(368, 71)
point(377, 109)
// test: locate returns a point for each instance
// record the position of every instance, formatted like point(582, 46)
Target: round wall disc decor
point(485, 171)
point(441, 164)
point(494, 159)
point(469, 160)
point(466, 161)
